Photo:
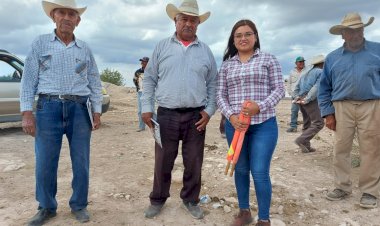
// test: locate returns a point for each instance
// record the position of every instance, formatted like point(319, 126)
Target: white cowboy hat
point(61, 4)
point(317, 59)
point(351, 20)
point(188, 7)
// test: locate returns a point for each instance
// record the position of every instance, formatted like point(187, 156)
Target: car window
point(8, 73)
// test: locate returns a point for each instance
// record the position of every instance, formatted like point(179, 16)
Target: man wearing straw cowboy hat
point(61, 70)
point(305, 94)
point(181, 74)
point(349, 99)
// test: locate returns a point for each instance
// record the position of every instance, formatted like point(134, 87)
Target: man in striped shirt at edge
point(61, 70)
point(182, 75)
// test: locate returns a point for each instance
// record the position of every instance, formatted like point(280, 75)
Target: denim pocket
point(40, 105)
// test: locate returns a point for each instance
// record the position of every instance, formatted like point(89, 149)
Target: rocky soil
point(122, 173)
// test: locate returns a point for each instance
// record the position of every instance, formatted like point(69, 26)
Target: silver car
point(11, 68)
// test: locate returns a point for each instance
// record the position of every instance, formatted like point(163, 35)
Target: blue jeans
point(139, 108)
point(294, 115)
point(54, 118)
point(256, 154)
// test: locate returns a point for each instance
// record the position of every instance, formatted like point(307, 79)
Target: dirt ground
point(122, 172)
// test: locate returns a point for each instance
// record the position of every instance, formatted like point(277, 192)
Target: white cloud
point(122, 31)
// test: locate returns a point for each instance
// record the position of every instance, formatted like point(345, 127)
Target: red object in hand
point(237, 142)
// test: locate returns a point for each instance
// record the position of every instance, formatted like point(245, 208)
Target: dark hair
point(231, 49)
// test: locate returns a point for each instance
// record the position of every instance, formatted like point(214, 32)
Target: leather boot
point(242, 218)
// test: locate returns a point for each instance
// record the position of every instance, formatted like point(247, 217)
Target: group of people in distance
point(182, 78)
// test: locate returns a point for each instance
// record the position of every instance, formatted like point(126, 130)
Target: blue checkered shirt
point(53, 68)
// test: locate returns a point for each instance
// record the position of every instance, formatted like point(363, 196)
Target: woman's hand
point(251, 109)
point(237, 124)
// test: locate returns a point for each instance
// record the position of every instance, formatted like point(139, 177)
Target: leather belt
point(75, 98)
point(183, 110)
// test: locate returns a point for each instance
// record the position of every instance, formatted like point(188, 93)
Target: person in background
point(181, 74)
point(305, 94)
point(138, 81)
point(61, 70)
point(248, 74)
point(294, 76)
point(222, 128)
point(349, 99)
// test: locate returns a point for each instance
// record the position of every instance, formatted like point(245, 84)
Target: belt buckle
point(61, 97)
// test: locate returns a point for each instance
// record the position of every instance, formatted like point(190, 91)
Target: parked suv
point(11, 68)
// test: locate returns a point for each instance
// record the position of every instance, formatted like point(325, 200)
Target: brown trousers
point(177, 125)
point(365, 117)
point(312, 122)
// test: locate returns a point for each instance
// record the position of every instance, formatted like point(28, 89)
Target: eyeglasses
point(246, 35)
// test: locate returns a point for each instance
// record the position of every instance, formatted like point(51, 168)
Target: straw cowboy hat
point(317, 59)
point(188, 7)
point(351, 20)
point(61, 4)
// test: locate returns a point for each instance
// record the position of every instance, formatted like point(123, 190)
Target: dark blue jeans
point(54, 118)
point(256, 154)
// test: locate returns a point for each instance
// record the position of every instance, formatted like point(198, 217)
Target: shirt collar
point(255, 54)
point(365, 47)
point(175, 39)
point(54, 37)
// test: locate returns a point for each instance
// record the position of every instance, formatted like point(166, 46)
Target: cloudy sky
point(120, 32)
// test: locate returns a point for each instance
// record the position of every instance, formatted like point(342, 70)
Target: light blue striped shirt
point(180, 77)
point(53, 68)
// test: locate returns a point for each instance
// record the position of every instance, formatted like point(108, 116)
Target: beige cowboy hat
point(350, 20)
point(188, 7)
point(61, 4)
point(317, 59)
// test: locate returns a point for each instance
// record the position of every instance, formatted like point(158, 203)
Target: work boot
point(368, 201)
point(81, 215)
point(291, 130)
point(262, 223)
point(304, 148)
point(244, 217)
point(42, 216)
point(336, 194)
point(153, 210)
point(194, 209)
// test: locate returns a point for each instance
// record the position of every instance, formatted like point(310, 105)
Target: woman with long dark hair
point(248, 74)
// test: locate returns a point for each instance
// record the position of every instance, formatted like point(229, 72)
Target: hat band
point(353, 24)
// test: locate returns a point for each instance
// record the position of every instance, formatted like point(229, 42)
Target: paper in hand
point(156, 132)
point(89, 110)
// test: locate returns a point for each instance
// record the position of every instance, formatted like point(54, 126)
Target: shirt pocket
point(81, 65)
point(373, 71)
point(44, 61)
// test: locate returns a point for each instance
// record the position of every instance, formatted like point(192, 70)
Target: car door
point(10, 78)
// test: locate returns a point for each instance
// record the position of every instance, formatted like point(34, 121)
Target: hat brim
point(317, 60)
point(49, 6)
point(172, 12)
point(337, 29)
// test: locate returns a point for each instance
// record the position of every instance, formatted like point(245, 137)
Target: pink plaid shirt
point(259, 79)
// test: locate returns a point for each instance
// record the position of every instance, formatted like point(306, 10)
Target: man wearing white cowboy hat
point(305, 94)
point(181, 74)
point(349, 99)
point(61, 70)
